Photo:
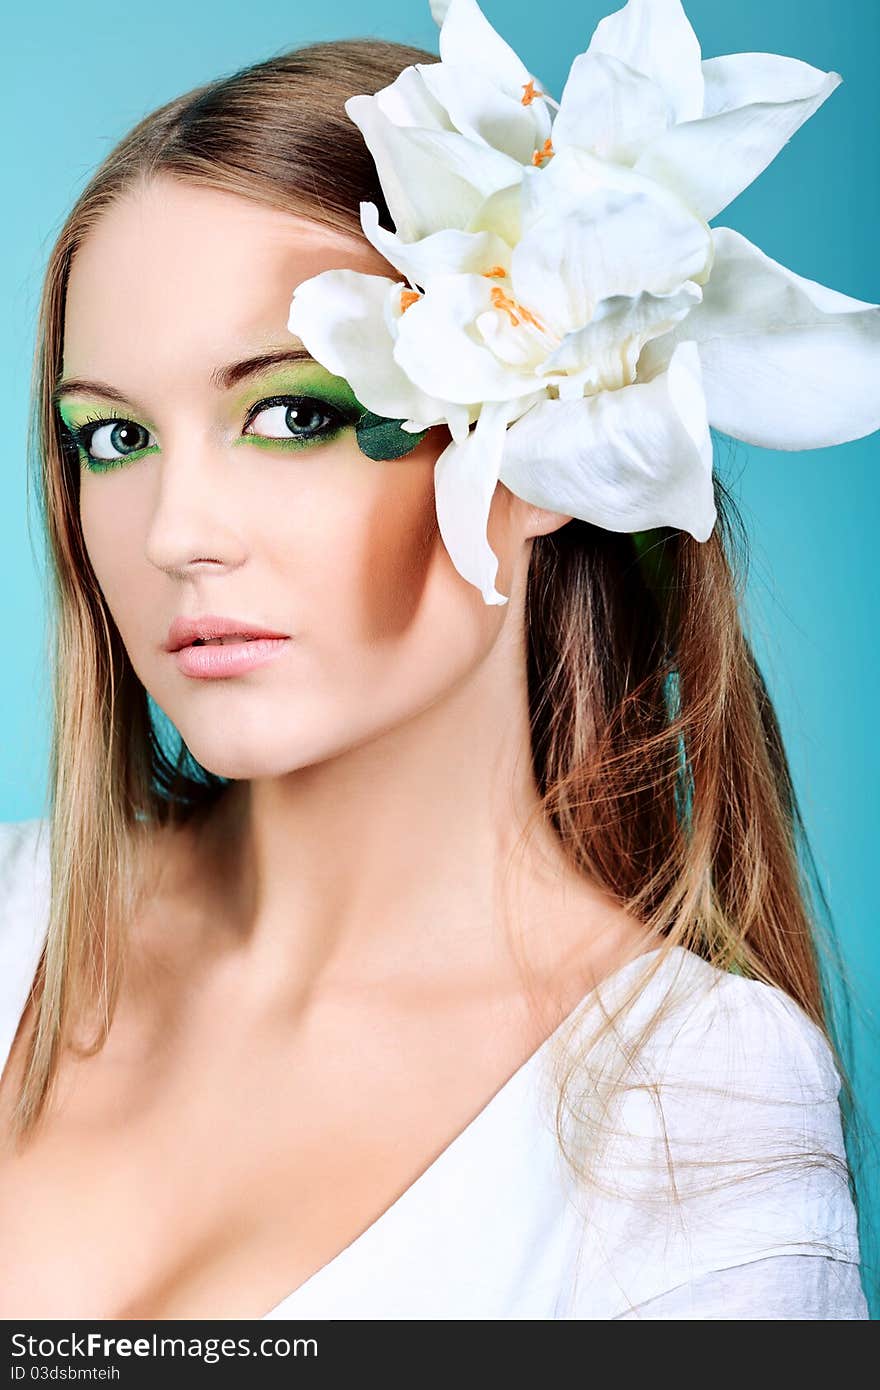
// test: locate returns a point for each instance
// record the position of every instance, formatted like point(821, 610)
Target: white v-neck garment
point(495, 1227)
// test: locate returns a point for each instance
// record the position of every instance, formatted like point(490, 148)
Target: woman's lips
point(229, 658)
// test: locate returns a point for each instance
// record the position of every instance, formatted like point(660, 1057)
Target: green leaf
point(381, 438)
point(656, 562)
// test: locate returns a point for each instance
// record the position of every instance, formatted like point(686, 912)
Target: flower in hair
point(562, 304)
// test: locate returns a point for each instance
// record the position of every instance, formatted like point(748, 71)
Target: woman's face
point(197, 499)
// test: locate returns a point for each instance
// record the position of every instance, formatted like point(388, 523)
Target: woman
point(426, 977)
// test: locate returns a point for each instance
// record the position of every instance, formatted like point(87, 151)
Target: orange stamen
point(495, 271)
point(504, 302)
point(530, 317)
point(408, 297)
point(529, 92)
point(545, 152)
point(508, 306)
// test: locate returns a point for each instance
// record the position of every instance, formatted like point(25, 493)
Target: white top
point(494, 1228)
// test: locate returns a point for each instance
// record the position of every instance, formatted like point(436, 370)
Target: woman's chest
point(219, 1183)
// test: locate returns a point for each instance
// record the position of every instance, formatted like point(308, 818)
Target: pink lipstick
point(214, 646)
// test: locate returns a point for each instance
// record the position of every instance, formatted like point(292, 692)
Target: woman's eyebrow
point(224, 378)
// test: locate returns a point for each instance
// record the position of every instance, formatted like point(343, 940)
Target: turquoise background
point(79, 76)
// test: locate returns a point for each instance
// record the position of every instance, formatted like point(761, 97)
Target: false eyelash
point(77, 436)
point(341, 417)
point(100, 417)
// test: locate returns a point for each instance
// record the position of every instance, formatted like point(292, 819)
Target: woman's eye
point(289, 418)
point(108, 441)
point(285, 419)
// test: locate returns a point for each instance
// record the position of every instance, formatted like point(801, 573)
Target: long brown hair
point(656, 748)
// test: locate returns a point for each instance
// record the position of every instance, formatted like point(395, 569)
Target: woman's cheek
point(361, 541)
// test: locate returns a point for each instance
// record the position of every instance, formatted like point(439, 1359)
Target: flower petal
point(594, 230)
point(737, 80)
point(431, 179)
point(407, 102)
point(445, 252)
point(438, 348)
point(502, 214)
point(625, 460)
point(480, 82)
point(755, 103)
point(465, 477)
point(787, 362)
point(604, 353)
point(341, 317)
point(609, 109)
point(487, 113)
point(656, 37)
point(465, 32)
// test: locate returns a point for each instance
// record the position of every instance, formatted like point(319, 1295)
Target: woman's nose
point(192, 519)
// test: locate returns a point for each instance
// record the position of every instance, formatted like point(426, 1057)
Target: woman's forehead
point(178, 272)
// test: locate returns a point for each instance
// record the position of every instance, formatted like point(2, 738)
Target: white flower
point(566, 310)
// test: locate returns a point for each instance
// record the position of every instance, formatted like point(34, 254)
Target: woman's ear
point(522, 520)
point(512, 522)
point(539, 522)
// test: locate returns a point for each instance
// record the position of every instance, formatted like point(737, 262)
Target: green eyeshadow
point(76, 413)
point(307, 378)
point(378, 437)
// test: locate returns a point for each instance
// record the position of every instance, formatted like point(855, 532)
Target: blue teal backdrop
point(80, 76)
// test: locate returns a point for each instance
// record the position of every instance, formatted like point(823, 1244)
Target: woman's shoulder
point(773, 1030)
point(728, 1081)
point(721, 1029)
point(724, 1130)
